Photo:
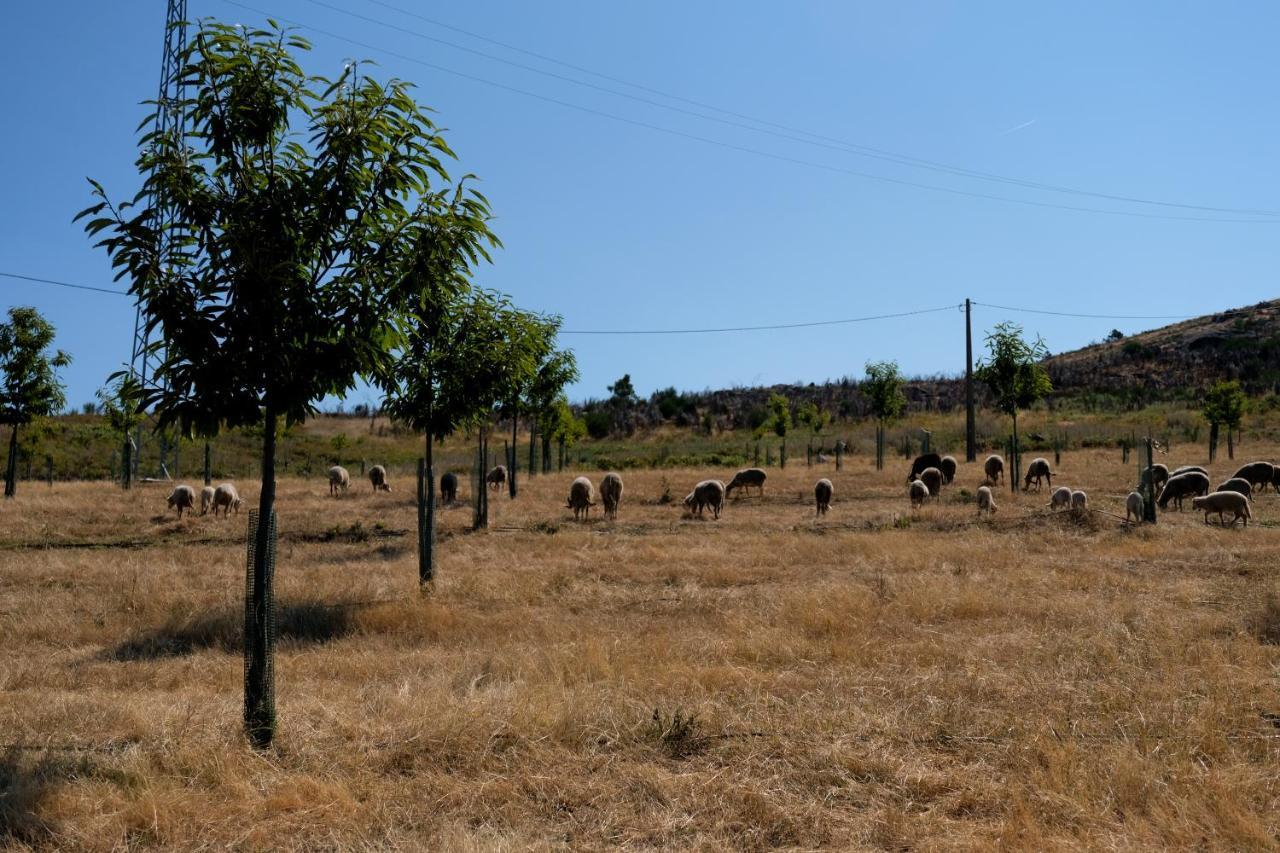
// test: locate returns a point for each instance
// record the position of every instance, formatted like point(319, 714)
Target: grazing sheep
point(1181, 486)
point(1257, 473)
point(448, 487)
point(338, 479)
point(497, 477)
point(745, 479)
point(182, 497)
point(1157, 475)
point(226, 497)
point(1223, 503)
point(918, 492)
point(948, 467)
point(1060, 499)
point(1079, 501)
point(581, 494)
point(822, 491)
point(708, 493)
point(927, 460)
point(1238, 484)
point(611, 494)
point(1185, 468)
point(932, 478)
point(994, 468)
point(378, 477)
point(822, 458)
point(986, 500)
point(206, 499)
point(1038, 468)
point(1133, 506)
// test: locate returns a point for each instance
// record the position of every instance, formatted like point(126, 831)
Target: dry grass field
point(878, 679)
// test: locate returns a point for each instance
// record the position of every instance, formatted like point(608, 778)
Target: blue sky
point(619, 226)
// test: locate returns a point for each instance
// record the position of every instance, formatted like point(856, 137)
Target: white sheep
point(611, 494)
point(1060, 499)
point(822, 491)
point(338, 479)
point(182, 497)
point(1038, 468)
point(918, 492)
point(994, 468)
point(581, 498)
point(948, 466)
point(1079, 501)
point(745, 479)
point(226, 497)
point(206, 499)
point(933, 478)
point(1133, 506)
point(986, 500)
point(1223, 503)
point(378, 478)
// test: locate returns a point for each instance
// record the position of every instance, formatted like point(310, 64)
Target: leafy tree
point(120, 404)
point(1014, 373)
point(883, 390)
point(1224, 404)
point(558, 369)
point(814, 418)
point(778, 417)
point(1115, 335)
point(29, 383)
point(563, 427)
point(622, 403)
point(530, 345)
point(299, 208)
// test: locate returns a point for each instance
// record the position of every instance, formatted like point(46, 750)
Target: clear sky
point(616, 225)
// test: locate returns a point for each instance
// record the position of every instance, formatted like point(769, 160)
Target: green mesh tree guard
point(260, 637)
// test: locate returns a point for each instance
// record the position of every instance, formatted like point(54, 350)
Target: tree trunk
point(11, 469)
point(546, 453)
point(427, 564)
point(1213, 441)
point(1231, 443)
point(560, 462)
point(126, 455)
point(208, 464)
point(533, 438)
point(1015, 465)
point(259, 700)
point(512, 455)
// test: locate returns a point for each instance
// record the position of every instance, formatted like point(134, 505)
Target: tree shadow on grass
point(297, 623)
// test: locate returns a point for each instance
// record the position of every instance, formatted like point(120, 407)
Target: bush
point(598, 424)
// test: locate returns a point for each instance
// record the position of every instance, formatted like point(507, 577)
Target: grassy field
point(876, 679)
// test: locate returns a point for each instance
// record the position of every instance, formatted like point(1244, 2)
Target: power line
point(819, 140)
point(1091, 316)
point(755, 328)
point(742, 148)
point(63, 283)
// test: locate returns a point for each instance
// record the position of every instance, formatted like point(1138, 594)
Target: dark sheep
point(1187, 484)
point(926, 460)
point(448, 487)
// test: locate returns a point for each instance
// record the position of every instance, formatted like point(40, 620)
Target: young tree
point(271, 271)
point(622, 402)
point(1224, 404)
point(565, 428)
point(883, 390)
point(120, 404)
point(530, 345)
point(1015, 375)
point(558, 369)
point(815, 419)
point(29, 384)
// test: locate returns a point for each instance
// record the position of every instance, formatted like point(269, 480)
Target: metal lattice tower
point(170, 120)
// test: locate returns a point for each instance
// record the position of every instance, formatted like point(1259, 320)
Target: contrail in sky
point(1017, 128)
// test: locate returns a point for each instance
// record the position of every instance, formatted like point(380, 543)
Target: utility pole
point(970, 437)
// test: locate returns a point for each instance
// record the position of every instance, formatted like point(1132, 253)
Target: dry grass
point(872, 680)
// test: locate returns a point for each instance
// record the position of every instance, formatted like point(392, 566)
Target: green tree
point(29, 383)
point(814, 418)
point(622, 403)
point(557, 370)
point(777, 417)
point(564, 427)
point(530, 346)
point(1224, 404)
point(1014, 374)
point(883, 390)
point(298, 208)
point(119, 402)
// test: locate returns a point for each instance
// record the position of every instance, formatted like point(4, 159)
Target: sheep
point(1157, 475)
point(182, 497)
point(226, 497)
point(1237, 484)
point(448, 487)
point(986, 500)
point(1038, 468)
point(1181, 486)
point(932, 478)
point(918, 492)
point(1133, 506)
point(746, 478)
point(926, 460)
point(822, 491)
point(948, 467)
point(1257, 473)
point(994, 468)
point(1061, 498)
point(1079, 501)
point(822, 458)
point(1223, 503)
point(581, 494)
point(378, 477)
point(497, 477)
point(708, 493)
point(338, 479)
point(1185, 468)
point(206, 499)
point(611, 494)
